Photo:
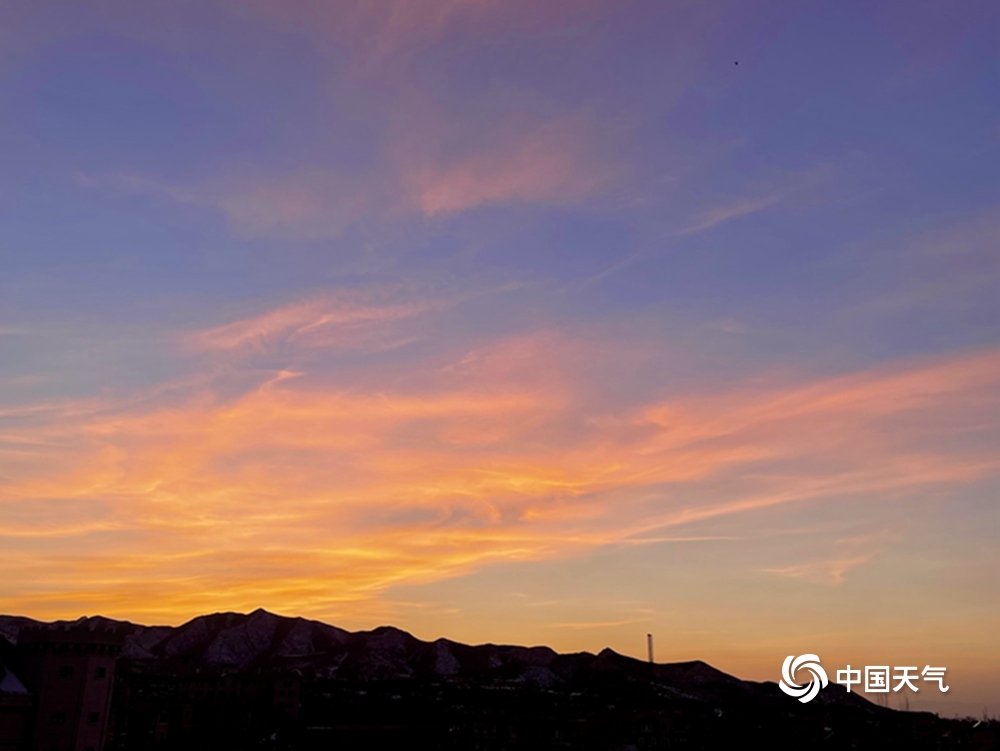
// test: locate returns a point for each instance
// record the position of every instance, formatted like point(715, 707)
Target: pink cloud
point(552, 163)
point(345, 319)
point(307, 205)
point(391, 32)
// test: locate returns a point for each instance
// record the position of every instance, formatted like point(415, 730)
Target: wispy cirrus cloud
point(788, 190)
point(321, 495)
point(848, 554)
point(427, 154)
point(729, 211)
point(551, 163)
point(830, 571)
point(307, 205)
point(344, 319)
point(388, 34)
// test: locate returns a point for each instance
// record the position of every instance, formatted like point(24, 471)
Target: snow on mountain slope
point(264, 641)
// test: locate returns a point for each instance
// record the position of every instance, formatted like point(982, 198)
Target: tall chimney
point(649, 644)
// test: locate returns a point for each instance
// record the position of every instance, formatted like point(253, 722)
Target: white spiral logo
point(790, 668)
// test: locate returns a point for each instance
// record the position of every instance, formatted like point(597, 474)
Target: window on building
point(65, 671)
point(92, 718)
point(101, 673)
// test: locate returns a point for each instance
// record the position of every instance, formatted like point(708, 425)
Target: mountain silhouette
point(353, 689)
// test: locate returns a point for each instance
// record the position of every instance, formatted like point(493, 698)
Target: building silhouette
point(58, 688)
point(59, 692)
point(16, 703)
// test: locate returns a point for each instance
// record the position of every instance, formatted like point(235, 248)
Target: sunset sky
point(523, 321)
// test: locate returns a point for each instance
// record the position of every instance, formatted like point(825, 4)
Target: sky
point(510, 321)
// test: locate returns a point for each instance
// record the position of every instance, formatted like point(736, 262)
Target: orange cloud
point(316, 498)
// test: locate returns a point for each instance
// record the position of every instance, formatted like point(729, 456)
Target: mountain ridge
point(261, 641)
point(263, 681)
